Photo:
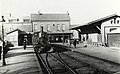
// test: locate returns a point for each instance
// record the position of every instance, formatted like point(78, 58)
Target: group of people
point(70, 42)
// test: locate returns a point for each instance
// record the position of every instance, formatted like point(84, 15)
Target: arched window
point(48, 27)
point(117, 21)
point(35, 27)
point(63, 27)
point(58, 27)
point(111, 22)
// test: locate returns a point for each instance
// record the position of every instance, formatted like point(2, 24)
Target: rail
point(90, 65)
point(45, 63)
point(62, 61)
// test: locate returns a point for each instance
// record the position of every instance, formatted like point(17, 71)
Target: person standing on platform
point(24, 44)
point(74, 43)
point(0, 48)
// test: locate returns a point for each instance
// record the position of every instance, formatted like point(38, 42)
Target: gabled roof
point(95, 22)
point(44, 17)
point(72, 25)
point(91, 26)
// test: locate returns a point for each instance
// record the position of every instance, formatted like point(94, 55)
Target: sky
point(81, 11)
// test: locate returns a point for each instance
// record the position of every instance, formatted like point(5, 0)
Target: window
point(10, 20)
point(48, 27)
point(35, 27)
point(111, 22)
point(17, 19)
point(13, 20)
point(117, 21)
point(63, 27)
point(58, 27)
point(26, 20)
point(56, 39)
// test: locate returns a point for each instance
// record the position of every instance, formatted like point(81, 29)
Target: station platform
point(20, 61)
point(107, 53)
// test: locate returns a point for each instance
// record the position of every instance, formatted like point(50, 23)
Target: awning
point(94, 26)
point(61, 33)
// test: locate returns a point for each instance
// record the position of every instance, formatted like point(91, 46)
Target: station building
point(103, 30)
point(56, 25)
point(16, 29)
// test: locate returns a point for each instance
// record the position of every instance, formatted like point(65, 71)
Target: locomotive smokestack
point(41, 29)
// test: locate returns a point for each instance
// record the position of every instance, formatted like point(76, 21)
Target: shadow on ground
point(17, 54)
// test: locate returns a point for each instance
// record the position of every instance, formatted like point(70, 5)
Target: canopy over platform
point(94, 26)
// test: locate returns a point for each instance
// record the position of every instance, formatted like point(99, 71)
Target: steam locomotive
point(40, 42)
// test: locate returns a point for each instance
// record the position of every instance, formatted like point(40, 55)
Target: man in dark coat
point(24, 44)
point(0, 52)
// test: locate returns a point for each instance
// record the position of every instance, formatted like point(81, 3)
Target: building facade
point(100, 30)
point(17, 29)
point(110, 31)
point(56, 25)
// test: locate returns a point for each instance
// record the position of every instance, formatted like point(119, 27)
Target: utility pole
point(3, 43)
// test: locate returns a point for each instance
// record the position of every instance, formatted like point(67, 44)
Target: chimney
point(39, 13)
point(10, 14)
point(3, 20)
point(68, 13)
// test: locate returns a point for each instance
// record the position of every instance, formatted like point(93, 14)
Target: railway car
point(40, 42)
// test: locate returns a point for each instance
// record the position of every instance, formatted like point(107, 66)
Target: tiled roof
point(40, 17)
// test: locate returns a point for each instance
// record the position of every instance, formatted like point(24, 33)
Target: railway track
point(101, 65)
point(47, 69)
point(67, 63)
point(58, 57)
point(45, 64)
point(84, 67)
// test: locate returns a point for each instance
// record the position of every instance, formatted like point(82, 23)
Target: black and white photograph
point(59, 36)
